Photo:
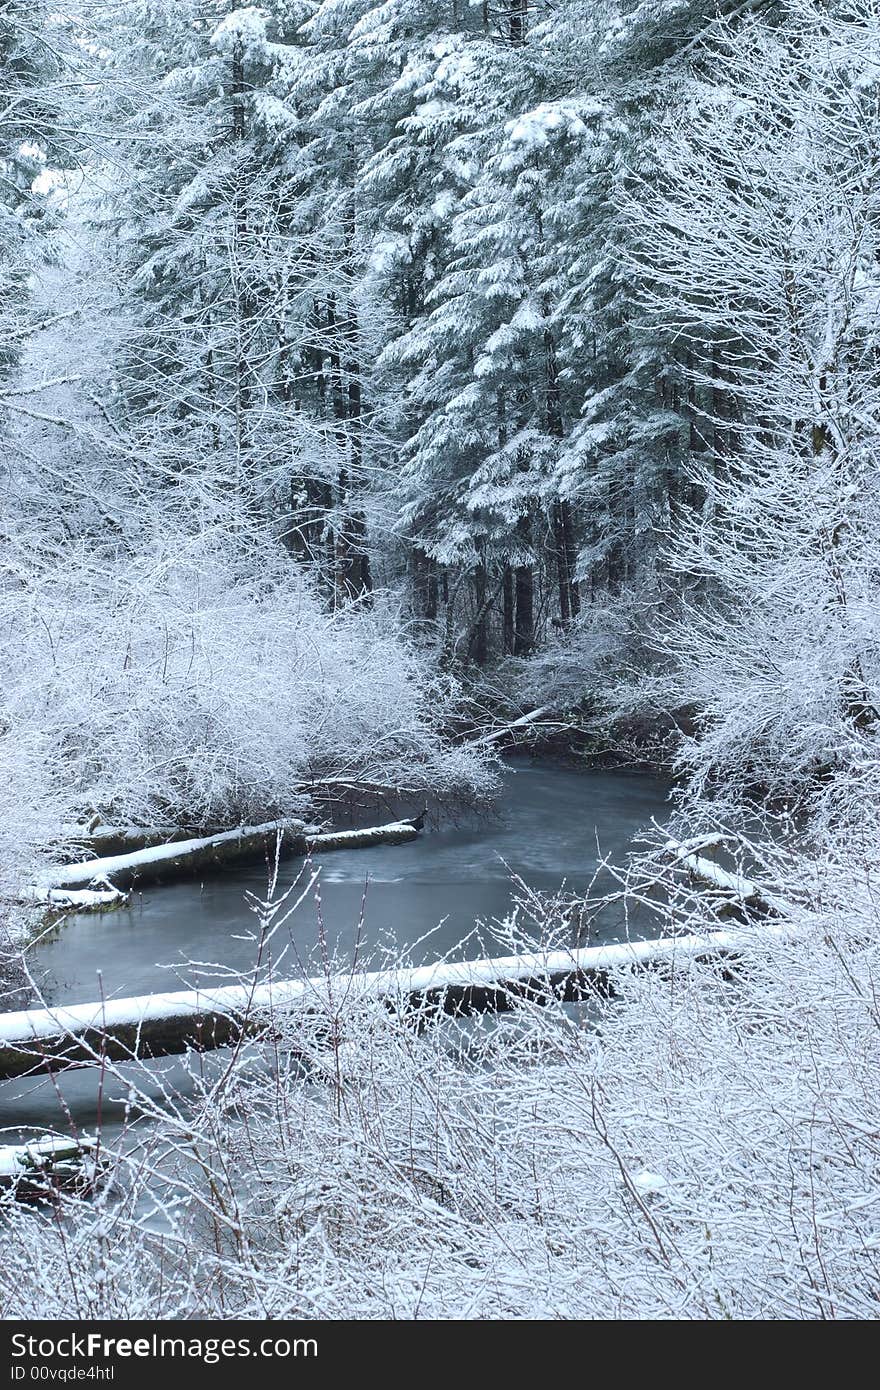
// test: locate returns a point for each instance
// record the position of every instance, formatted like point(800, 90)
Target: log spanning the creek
point(103, 878)
point(153, 1025)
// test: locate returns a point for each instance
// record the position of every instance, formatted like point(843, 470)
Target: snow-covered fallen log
point(394, 833)
point(157, 862)
point(736, 886)
point(152, 1025)
point(75, 899)
point(520, 725)
point(32, 1170)
point(102, 840)
point(109, 873)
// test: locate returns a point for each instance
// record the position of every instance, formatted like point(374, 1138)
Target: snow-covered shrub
point(35, 809)
point(757, 251)
point(200, 681)
point(33, 806)
point(607, 643)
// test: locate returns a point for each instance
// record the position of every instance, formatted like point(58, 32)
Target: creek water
point(552, 825)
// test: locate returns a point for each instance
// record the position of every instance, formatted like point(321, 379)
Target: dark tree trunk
point(524, 587)
point(480, 638)
point(354, 520)
point(563, 534)
point(508, 613)
point(425, 587)
point(563, 528)
point(351, 563)
point(524, 635)
point(517, 20)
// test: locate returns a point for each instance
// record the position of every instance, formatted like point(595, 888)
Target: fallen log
point(182, 858)
point(741, 890)
point(112, 841)
point(158, 862)
point(395, 833)
point(36, 1170)
point(515, 726)
point(154, 1025)
point(104, 840)
point(75, 899)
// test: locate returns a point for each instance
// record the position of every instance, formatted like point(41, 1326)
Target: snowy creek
point(435, 896)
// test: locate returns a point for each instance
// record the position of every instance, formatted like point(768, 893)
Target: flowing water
point(552, 825)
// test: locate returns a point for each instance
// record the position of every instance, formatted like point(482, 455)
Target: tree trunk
point(517, 20)
point(563, 533)
point(508, 620)
point(353, 579)
point(425, 587)
point(480, 642)
point(354, 522)
point(563, 530)
point(524, 586)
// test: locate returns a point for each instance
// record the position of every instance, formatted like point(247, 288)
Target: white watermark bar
point(119, 1352)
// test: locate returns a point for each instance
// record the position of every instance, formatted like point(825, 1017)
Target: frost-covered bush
point(200, 681)
point(34, 809)
point(33, 806)
point(756, 246)
point(608, 643)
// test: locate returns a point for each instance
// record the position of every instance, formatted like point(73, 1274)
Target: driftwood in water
point(113, 841)
point(184, 858)
point(75, 899)
point(153, 1025)
point(395, 833)
point(36, 1170)
point(741, 891)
